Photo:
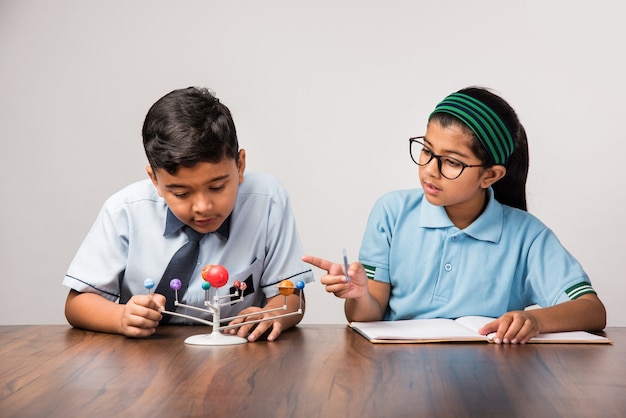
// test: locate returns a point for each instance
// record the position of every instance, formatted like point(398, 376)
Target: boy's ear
point(152, 176)
point(241, 164)
point(492, 174)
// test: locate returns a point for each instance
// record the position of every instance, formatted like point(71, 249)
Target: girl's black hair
point(511, 189)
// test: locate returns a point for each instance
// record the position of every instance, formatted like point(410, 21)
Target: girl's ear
point(491, 175)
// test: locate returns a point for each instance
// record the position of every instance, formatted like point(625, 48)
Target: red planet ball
point(215, 274)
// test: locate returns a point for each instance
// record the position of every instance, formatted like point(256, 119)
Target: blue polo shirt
point(132, 240)
point(505, 260)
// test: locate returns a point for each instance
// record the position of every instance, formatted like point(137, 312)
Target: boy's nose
point(202, 204)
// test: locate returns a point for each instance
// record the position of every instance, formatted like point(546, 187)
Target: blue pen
point(345, 264)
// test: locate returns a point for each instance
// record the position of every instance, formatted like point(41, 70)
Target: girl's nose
point(431, 168)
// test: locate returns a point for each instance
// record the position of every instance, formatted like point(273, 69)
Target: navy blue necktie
point(181, 266)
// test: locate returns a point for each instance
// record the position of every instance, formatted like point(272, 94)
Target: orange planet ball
point(285, 287)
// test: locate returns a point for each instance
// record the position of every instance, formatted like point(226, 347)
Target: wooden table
point(311, 371)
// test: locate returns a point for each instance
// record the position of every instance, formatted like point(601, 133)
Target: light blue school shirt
point(129, 242)
point(505, 260)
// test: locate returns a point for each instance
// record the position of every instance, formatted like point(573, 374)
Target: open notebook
point(450, 330)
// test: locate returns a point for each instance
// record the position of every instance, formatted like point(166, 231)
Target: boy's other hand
point(253, 331)
point(141, 315)
point(279, 313)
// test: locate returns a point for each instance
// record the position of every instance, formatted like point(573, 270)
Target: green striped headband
point(484, 122)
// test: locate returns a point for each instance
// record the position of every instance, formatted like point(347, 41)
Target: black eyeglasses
point(449, 167)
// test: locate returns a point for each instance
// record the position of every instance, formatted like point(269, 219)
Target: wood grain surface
point(310, 371)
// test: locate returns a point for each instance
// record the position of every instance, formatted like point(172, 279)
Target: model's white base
point(215, 338)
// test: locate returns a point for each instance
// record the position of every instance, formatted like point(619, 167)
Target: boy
point(196, 180)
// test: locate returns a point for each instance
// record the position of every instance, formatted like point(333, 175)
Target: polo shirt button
point(448, 267)
point(454, 238)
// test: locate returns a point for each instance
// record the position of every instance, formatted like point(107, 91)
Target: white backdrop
point(324, 95)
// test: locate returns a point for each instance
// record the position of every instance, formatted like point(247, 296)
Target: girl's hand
point(335, 279)
point(515, 327)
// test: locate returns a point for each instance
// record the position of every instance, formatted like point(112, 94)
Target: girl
point(464, 243)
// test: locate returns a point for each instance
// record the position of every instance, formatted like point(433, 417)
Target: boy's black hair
point(511, 189)
point(186, 127)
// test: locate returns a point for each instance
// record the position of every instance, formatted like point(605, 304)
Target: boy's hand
point(515, 327)
point(335, 280)
point(275, 321)
point(254, 331)
point(141, 315)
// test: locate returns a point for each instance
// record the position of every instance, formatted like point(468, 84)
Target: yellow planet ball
point(285, 287)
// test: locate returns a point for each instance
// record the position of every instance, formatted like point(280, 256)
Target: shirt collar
point(173, 224)
point(488, 226)
point(432, 216)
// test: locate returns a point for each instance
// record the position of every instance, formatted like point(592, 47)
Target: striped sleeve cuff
point(370, 271)
point(579, 289)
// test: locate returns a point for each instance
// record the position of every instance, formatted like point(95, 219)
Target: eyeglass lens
point(449, 167)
